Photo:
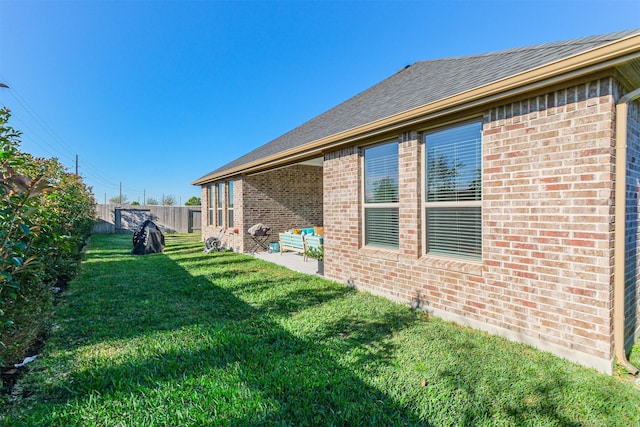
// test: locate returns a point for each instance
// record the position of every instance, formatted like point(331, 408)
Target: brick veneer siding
point(546, 272)
point(284, 198)
point(632, 308)
point(206, 226)
point(281, 199)
point(229, 238)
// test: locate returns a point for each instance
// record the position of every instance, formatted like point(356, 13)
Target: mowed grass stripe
point(188, 338)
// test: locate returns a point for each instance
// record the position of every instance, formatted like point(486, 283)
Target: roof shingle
point(420, 84)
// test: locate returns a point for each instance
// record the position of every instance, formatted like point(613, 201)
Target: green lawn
point(186, 338)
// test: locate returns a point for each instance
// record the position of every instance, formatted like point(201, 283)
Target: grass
point(192, 339)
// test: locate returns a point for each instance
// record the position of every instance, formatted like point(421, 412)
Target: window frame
point(230, 195)
point(211, 197)
point(220, 204)
point(379, 205)
point(461, 205)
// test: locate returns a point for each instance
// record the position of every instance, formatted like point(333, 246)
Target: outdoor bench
point(293, 243)
point(313, 242)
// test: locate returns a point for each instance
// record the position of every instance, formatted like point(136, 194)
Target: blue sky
point(155, 94)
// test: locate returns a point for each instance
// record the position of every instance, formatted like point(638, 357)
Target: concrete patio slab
point(291, 260)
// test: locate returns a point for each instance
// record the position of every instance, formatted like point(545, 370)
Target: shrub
point(46, 215)
point(316, 253)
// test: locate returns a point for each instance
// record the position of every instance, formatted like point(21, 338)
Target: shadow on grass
point(297, 380)
point(286, 303)
point(226, 339)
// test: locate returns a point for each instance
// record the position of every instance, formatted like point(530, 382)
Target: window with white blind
point(453, 191)
point(381, 195)
point(220, 205)
point(230, 204)
point(211, 197)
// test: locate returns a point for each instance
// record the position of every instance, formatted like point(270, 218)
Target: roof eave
point(593, 60)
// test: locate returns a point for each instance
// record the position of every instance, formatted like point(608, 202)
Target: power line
point(34, 137)
point(54, 145)
point(25, 105)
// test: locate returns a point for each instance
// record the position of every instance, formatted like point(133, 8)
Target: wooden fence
point(125, 218)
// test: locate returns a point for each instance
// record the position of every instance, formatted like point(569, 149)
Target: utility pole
point(2, 85)
point(76, 165)
point(120, 192)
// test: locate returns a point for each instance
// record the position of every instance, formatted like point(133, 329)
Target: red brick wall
point(632, 276)
point(548, 206)
point(281, 199)
point(284, 198)
point(204, 196)
point(342, 215)
point(546, 272)
point(228, 237)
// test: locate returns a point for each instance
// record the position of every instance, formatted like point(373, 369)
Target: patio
point(290, 260)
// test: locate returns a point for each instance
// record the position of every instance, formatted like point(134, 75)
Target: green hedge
point(46, 215)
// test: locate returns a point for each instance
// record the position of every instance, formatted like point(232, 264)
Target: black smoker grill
point(147, 239)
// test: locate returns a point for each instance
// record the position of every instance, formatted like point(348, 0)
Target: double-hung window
point(220, 205)
point(230, 204)
point(381, 195)
point(453, 191)
point(211, 197)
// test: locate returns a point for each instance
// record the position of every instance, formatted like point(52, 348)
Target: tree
point(385, 190)
point(119, 200)
point(442, 179)
point(152, 201)
point(168, 200)
point(193, 201)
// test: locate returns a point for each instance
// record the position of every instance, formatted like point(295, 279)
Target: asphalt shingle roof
point(420, 84)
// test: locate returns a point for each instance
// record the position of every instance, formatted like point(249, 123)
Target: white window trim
point(364, 205)
point(462, 204)
point(230, 203)
point(211, 194)
point(220, 204)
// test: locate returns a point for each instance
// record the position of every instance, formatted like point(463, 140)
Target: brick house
point(485, 189)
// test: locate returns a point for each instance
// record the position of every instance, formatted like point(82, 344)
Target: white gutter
point(622, 108)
